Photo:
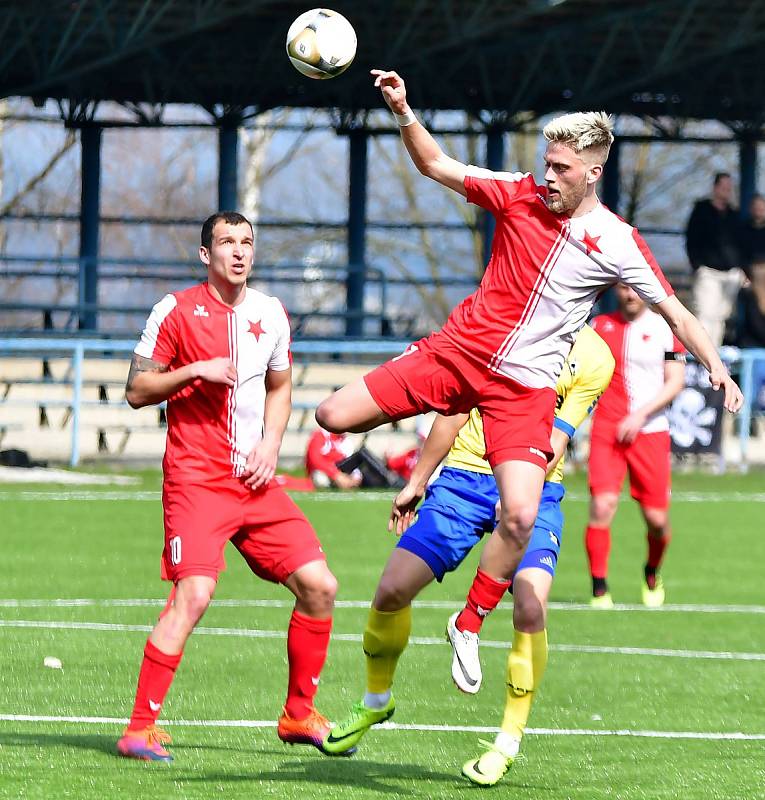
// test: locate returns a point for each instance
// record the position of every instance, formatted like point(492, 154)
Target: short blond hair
point(582, 130)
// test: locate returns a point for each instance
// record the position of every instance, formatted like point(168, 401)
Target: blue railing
point(77, 348)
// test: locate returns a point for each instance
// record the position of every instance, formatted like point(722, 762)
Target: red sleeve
point(494, 191)
point(316, 460)
point(403, 464)
point(645, 251)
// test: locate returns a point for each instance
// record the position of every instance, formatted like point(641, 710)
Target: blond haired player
point(459, 507)
point(555, 249)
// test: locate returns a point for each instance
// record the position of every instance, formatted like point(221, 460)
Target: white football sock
point(508, 744)
point(376, 700)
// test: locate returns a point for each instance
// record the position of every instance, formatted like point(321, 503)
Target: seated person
point(404, 463)
point(323, 453)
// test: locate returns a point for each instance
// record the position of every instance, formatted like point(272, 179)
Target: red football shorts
point(265, 526)
point(517, 420)
point(647, 458)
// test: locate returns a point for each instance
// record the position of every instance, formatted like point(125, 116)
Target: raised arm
point(691, 333)
point(427, 156)
point(151, 382)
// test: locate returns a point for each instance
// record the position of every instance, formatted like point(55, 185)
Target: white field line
point(393, 726)
point(428, 641)
point(325, 497)
point(136, 602)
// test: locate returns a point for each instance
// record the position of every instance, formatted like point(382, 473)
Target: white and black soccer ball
point(321, 43)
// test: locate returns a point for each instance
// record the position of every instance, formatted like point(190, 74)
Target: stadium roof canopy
point(680, 58)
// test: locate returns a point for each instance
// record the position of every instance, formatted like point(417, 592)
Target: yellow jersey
point(585, 376)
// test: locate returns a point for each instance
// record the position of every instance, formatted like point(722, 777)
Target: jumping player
point(555, 248)
point(219, 353)
point(459, 507)
point(630, 432)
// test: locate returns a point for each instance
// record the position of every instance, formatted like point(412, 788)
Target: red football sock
point(597, 541)
point(656, 547)
point(307, 643)
point(483, 597)
point(154, 679)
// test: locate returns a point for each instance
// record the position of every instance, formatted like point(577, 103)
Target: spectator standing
point(714, 247)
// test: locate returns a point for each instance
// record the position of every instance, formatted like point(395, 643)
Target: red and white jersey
point(641, 349)
point(324, 450)
point(211, 427)
point(546, 271)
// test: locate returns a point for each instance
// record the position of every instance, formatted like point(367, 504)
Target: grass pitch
point(635, 704)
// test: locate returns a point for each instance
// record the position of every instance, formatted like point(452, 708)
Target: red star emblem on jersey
point(256, 329)
point(591, 243)
point(646, 337)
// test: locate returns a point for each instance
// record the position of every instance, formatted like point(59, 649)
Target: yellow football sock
point(385, 639)
point(525, 668)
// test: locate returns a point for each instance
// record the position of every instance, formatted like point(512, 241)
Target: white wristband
point(405, 119)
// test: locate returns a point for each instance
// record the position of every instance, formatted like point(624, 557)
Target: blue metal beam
point(611, 191)
point(357, 230)
point(495, 161)
point(747, 164)
point(228, 164)
point(90, 210)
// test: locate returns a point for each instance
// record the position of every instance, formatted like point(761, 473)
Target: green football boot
point(346, 734)
point(489, 767)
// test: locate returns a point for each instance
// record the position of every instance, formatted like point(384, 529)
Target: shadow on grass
point(370, 775)
point(95, 742)
point(103, 743)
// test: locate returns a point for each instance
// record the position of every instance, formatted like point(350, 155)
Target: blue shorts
point(460, 506)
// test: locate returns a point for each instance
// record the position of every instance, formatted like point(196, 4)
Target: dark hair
point(229, 217)
point(719, 176)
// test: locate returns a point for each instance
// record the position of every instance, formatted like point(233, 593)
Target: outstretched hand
point(393, 89)
point(720, 379)
point(404, 508)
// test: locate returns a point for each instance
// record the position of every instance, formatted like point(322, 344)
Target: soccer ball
point(321, 43)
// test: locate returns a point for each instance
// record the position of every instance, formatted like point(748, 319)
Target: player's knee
point(657, 522)
point(517, 522)
point(528, 612)
point(391, 595)
point(318, 590)
point(602, 509)
point(194, 603)
point(329, 415)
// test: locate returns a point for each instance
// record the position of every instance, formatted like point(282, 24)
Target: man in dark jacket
point(714, 246)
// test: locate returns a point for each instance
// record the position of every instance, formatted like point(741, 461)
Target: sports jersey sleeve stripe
point(281, 358)
point(678, 346)
point(635, 274)
point(494, 190)
point(564, 426)
point(158, 340)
